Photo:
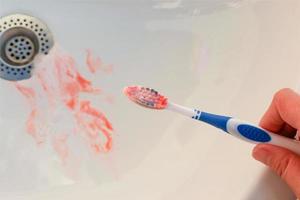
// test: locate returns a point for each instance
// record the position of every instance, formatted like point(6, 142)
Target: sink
point(222, 56)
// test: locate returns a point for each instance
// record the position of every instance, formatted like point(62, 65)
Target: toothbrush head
point(146, 97)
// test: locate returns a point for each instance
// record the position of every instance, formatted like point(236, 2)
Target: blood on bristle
point(146, 97)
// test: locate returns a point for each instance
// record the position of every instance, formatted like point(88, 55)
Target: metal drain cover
point(22, 37)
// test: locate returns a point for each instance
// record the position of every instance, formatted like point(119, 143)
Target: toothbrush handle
point(247, 132)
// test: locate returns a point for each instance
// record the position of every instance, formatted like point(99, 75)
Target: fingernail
point(261, 153)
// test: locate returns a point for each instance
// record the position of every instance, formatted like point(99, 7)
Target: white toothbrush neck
point(181, 109)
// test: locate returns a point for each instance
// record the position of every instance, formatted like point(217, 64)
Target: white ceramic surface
point(222, 56)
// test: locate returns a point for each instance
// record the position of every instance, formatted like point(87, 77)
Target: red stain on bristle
point(137, 93)
point(61, 85)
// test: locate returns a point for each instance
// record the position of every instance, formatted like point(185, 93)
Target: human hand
point(282, 117)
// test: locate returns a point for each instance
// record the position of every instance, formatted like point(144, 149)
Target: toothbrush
point(150, 98)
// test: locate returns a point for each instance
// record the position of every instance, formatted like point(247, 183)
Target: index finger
point(284, 109)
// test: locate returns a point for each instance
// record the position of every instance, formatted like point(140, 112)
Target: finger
point(284, 162)
point(288, 131)
point(285, 108)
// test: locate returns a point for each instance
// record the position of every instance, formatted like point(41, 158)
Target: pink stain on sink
point(95, 64)
point(61, 106)
point(31, 128)
point(60, 146)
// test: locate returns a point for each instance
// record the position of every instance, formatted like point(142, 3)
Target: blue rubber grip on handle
point(217, 121)
point(247, 131)
point(253, 133)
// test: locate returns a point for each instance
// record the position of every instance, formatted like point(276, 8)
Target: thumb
point(284, 162)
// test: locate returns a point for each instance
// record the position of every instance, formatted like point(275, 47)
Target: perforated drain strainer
point(22, 37)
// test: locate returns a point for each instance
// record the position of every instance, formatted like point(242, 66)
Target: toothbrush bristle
point(146, 97)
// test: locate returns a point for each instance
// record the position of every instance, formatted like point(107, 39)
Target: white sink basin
point(225, 57)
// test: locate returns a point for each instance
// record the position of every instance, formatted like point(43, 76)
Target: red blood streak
point(85, 85)
point(96, 124)
point(31, 128)
point(60, 146)
point(92, 64)
point(57, 87)
point(95, 64)
point(27, 92)
point(71, 103)
point(85, 107)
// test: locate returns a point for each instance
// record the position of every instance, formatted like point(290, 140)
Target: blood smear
point(58, 111)
point(95, 64)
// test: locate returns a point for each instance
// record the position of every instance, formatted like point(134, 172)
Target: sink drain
point(19, 49)
point(22, 37)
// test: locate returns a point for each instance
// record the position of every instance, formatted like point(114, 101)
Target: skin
point(282, 117)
